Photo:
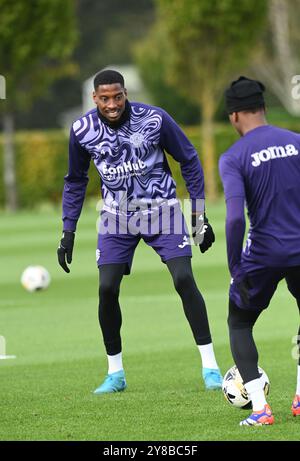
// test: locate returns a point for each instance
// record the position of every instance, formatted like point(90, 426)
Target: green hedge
point(42, 162)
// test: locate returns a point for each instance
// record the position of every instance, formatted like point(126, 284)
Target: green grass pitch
point(46, 392)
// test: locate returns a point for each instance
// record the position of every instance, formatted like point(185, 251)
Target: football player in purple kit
point(127, 141)
point(262, 172)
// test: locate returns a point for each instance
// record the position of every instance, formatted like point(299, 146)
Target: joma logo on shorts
point(273, 152)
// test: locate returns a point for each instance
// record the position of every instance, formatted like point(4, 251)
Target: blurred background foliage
point(186, 52)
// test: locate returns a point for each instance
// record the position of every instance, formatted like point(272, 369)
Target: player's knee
point(183, 281)
point(239, 318)
point(108, 290)
point(238, 324)
point(232, 322)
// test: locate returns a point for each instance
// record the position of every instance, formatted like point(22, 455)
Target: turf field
point(46, 390)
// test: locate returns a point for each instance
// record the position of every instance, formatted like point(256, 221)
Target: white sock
point(256, 394)
point(208, 356)
point(298, 381)
point(115, 363)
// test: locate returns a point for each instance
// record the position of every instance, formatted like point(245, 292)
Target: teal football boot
point(115, 382)
point(212, 378)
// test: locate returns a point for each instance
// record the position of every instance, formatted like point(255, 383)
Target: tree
point(209, 40)
point(108, 31)
point(148, 57)
point(36, 39)
point(277, 60)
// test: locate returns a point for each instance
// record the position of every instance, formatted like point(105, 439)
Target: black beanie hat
point(244, 94)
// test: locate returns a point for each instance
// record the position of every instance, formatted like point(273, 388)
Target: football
point(234, 390)
point(35, 278)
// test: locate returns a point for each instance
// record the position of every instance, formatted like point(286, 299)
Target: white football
point(234, 390)
point(35, 278)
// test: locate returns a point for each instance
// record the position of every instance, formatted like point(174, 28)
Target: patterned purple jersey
point(130, 160)
point(263, 168)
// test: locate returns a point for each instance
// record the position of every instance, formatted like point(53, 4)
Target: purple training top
point(263, 169)
point(130, 161)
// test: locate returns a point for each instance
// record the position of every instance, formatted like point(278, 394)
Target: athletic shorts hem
point(176, 257)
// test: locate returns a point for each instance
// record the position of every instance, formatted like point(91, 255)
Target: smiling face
point(110, 100)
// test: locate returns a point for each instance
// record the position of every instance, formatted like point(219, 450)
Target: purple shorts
point(164, 230)
point(263, 283)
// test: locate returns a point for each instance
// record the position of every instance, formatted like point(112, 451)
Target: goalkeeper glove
point(202, 231)
point(65, 249)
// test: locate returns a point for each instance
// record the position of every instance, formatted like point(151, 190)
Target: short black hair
point(108, 77)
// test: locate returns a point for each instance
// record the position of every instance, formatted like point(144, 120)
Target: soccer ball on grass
point(234, 390)
point(35, 278)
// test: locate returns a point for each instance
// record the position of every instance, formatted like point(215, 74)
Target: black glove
point(202, 231)
point(66, 249)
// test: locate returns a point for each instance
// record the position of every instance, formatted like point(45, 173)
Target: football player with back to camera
point(261, 170)
point(127, 142)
